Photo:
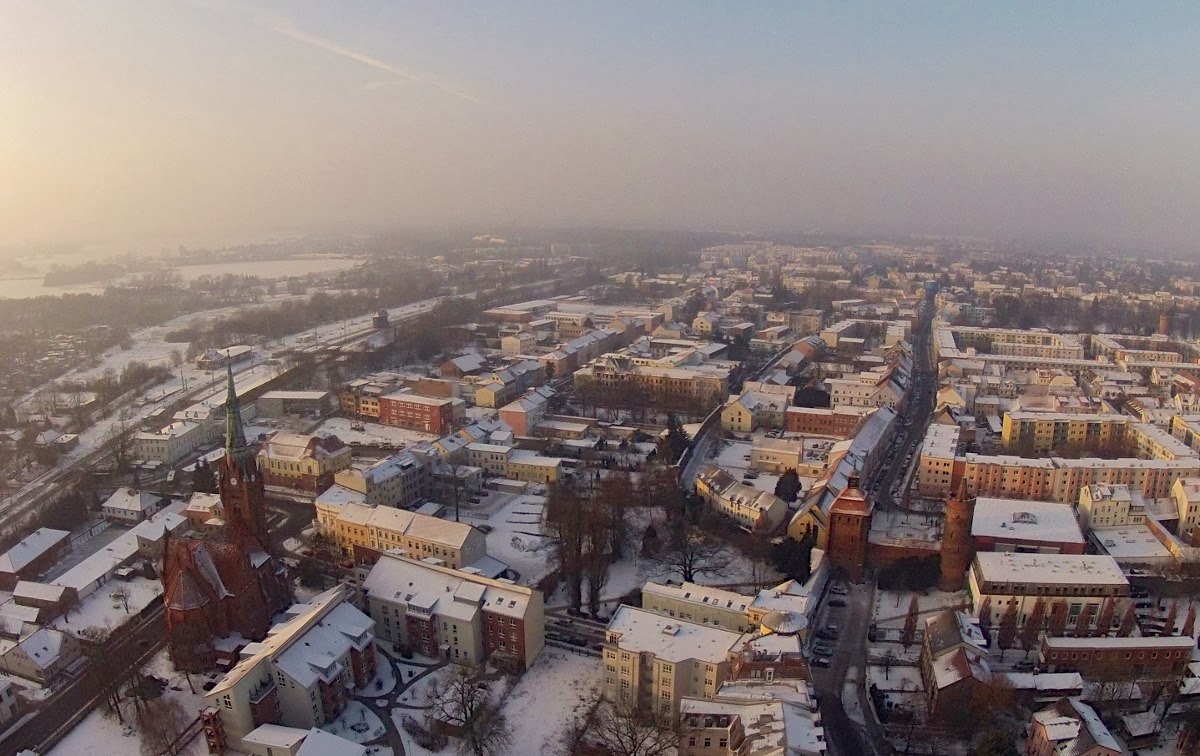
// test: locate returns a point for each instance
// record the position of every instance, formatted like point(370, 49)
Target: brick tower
point(241, 485)
point(956, 541)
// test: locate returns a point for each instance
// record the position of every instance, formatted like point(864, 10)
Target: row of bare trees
point(586, 519)
point(1052, 619)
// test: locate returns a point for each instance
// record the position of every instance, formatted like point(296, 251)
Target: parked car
point(823, 650)
point(820, 661)
point(828, 633)
point(839, 590)
point(837, 603)
point(1024, 666)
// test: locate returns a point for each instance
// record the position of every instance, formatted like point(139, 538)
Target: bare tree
point(121, 594)
point(464, 703)
point(161, 722)
point(691, 552)
point(630, 730)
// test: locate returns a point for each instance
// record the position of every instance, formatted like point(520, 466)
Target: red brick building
point(228, 582)
point(841, 422)
point(1131, 658)
point(32, 556)
point(406, 410)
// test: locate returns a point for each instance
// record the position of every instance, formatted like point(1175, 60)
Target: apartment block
point(403, 409)
point(749, 506)
point(302, 464)
point(364, 531)
point(460, 616)
point(397, 481)
point(301, 674)
point(701, 604)
point(653, 661)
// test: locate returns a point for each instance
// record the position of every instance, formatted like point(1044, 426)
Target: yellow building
point(342, 515)
point(652, 661)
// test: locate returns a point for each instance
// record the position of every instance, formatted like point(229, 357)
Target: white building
point(301, 674)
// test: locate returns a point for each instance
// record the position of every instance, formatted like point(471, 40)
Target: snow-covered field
point(556, 692)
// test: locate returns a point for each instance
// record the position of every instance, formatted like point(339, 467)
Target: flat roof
point(668, 638)
point(1022, 519)
point(1064, 569)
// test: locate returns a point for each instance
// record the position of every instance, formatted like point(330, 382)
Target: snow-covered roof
point(321, 743)
point(700, 594)
point(30, 548)
point(275, 736)
point(434, 589)
point(133, 501)
point(1022, 519)
point(1048, 569)
point(668, 638)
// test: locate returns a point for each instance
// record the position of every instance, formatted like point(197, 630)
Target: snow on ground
point(101, 610)
point(895, 678)
point(102, 733)
point(556, 692)
point(516, 536)
point(418, 694)
point(373, 434)
point(891, 607)
point(357, 724)
point(385, 678)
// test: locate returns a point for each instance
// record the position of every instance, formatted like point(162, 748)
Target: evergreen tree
point(1008, 629)
point(909, 633)
point(1033, 625)
point(788, 486)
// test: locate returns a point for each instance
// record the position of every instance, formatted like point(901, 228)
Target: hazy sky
point(134, 119)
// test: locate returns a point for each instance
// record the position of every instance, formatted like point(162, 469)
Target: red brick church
point(227, 583)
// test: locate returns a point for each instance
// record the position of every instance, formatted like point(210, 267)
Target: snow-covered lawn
point(385, 678)
point(516, 536)
point(101, 610)
point(357, 723)
point(102, 733)
point(895, 678)
point(891, 607)
point(418, 694)
point(556, 692)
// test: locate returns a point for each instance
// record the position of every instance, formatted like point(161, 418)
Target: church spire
point(235, 434)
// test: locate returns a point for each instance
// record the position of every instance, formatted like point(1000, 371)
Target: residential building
point(652, 661)
point(746, 720)
point(749, 506)
point(404, 409)
point(41, 654)
point(936, 468)
point(33, 555)
point(305, 465)
point(1070, 726)
point(131, 505)
point(839, 422)
point(467, 618)
point(699, 386)
point(364, 532)
point(396, 481)
point(171, 443)
point(953, 661)
point(523, 414)
point(753, 409)
point(300, 674)
point(700, 604)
